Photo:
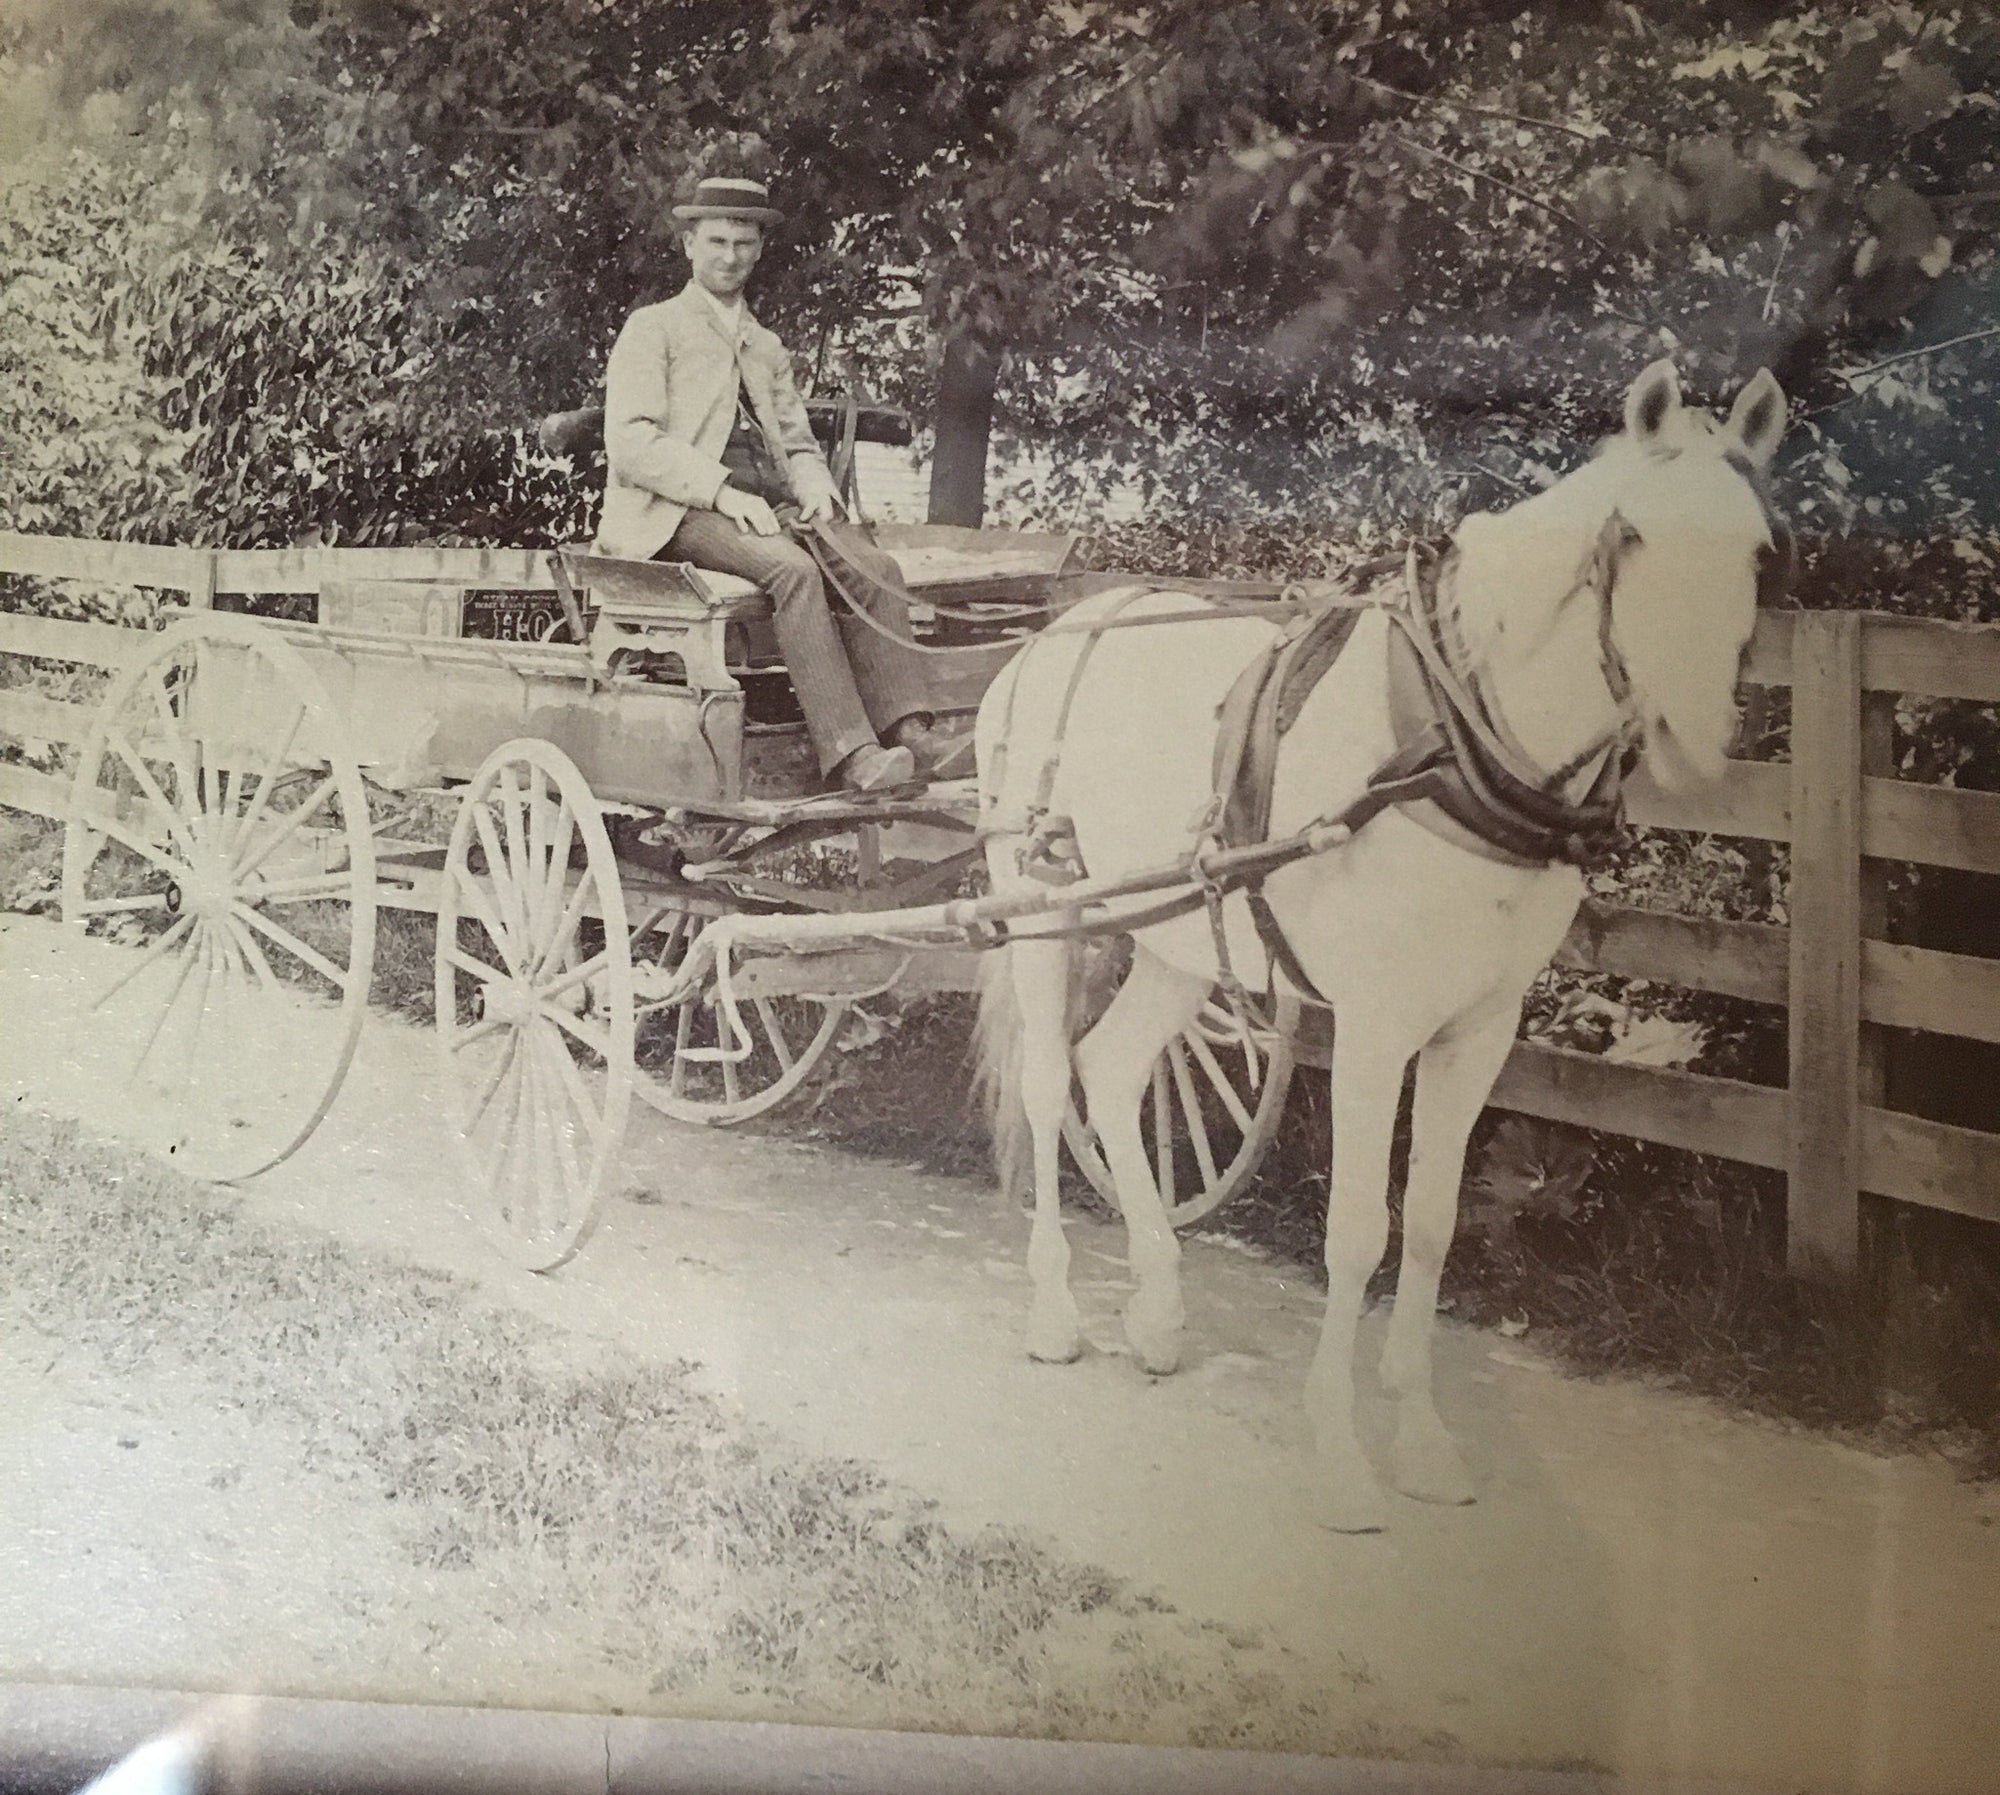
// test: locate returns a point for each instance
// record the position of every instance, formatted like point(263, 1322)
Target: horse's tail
point(1002, 1054)
point(1000, 1040)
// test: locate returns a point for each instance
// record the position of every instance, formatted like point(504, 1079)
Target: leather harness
point(1452, 764)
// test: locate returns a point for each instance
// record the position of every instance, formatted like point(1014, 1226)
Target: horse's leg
point(1367, 1083)
point(1114, 1064)
point(1455, 1075)
point(1040, 971)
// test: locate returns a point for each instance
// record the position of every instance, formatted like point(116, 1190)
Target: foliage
point(1383, 261)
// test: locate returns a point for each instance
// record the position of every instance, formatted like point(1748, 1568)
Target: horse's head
point(1693, 543)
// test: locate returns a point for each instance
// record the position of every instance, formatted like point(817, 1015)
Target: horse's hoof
point(1055, 1337)
point(1425, 1466)
point(1350, 1505)
point(1055, 1348)
point(1155, 1338)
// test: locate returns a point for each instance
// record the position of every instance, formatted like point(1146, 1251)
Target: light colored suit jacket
point(669, 406)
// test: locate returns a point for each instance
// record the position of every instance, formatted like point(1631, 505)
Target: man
point(712, 461)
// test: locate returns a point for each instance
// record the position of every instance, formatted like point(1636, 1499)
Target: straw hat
point(728, 196)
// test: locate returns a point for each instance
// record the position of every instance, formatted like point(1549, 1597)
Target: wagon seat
point(682, 624)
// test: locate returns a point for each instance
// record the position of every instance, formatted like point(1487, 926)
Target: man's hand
point(747, 511)
point(820, 509)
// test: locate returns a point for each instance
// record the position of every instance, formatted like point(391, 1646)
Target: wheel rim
point(534, 1002)
point(219, 873)
point(1207, 1121)
point(788, 1037)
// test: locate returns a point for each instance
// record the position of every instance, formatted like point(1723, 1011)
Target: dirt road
point(1646, 1585)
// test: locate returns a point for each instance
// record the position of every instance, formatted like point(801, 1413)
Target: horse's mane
point(1508, 569)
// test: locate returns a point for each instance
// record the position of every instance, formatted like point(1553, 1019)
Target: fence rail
point(1834, 804)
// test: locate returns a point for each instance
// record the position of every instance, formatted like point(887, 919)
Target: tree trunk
point(964, 425)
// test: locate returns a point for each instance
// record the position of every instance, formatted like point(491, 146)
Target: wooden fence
point(1836, 804)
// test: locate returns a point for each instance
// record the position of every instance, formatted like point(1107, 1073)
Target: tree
point(1228, 247)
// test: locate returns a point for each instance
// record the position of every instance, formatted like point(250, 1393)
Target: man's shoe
point(928, 748)
point(873, 769)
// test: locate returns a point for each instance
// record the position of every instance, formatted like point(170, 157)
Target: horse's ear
point(1757, 420)
point(1654, 398)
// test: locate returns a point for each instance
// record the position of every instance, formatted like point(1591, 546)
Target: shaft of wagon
point(968, 919)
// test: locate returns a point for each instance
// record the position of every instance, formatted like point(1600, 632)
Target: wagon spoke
point(136, 843)
point(207, 770)
point(485, 916)
point(1220, 1080)
point(547, 819)
point(1191, 1107)
point(490, 1162)
point(475, 1032)
point(187, 959)
point(513, 813)
point(143, 774)
point(205, 937)
point(505, 1162)
point(176, 739)
point(145, 900)
point(280, 936)
point(245, 826)
point(304, 889)
point(235, 954)
point(731, 1083)
point(566, 926)
point(567, 1093)
point(572, 1081)
point(505, 893)
point(164, 945)
point(294, 820)
point(540, 1174)
point(683, 1028)
point(776, 1030)
point(558, 869)
point(491, 1087)
point(479, 969)
point(253, 955)
point(575, 976)
point(596, 1040)
point(535, 873)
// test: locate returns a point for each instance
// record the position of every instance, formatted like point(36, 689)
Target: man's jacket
point(669, 404)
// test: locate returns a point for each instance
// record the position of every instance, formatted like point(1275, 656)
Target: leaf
point(1904, 222)
point(1789, 164)
point(1657, 1041)
point(1925, 92)
point(1851, 76)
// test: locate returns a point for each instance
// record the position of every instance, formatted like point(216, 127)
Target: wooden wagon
point(575, 763)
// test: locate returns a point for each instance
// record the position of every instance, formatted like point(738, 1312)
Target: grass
point(739, 1571)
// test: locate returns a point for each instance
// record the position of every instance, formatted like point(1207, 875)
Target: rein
point(1598, 575)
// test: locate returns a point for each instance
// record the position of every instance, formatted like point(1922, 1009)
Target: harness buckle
point(1050, 855)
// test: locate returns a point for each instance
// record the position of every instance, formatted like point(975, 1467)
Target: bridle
point(1597, 575)
point(1451, 665)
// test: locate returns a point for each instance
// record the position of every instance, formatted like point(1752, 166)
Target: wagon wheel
point(788, 1037)
point(534, 1002)
point(1207, 1122)
point(218, 823)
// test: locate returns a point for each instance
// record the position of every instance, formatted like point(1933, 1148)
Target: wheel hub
point(512, 1000)
point(209, 887)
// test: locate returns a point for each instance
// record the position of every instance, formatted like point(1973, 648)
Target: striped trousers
point(854, 685)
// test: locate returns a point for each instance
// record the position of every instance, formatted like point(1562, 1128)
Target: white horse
point(1613, 608)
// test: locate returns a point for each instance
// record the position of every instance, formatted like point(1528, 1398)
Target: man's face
point(721, 252)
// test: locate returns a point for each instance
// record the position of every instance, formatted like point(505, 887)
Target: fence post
point(1823, 1151)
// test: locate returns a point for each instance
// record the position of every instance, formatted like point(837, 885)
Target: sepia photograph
point(1016, 894)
